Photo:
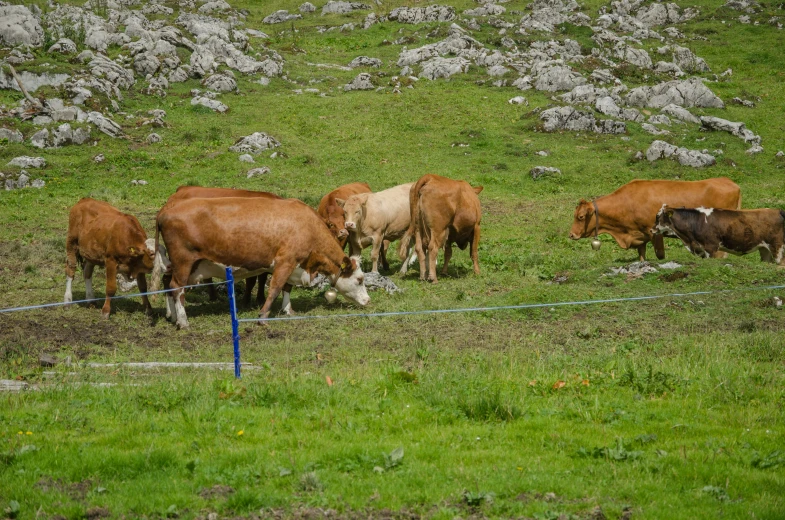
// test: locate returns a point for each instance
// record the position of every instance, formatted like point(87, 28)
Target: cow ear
point(668, 212)
point(354, 264)
point(477, 189)
point(340, 202)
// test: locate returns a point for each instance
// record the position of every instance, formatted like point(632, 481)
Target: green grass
point(670, 408)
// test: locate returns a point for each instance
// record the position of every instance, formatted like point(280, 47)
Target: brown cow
point(628, 213)
point(443, 212)
point(199, 192)
point(711, 232)
point(100, 235)
point(332, 212)
point(254, 236)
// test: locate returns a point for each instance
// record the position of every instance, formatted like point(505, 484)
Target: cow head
point(663, 223)
point(583, 220)
point(354, 210)
point(350, 282)
point(335, 223)
point(140, 260)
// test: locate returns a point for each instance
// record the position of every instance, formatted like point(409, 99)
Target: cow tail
point(414, 221)
point(158, 265)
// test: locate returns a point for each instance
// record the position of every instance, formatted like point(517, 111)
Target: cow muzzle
point(342, 233)
point(351, 225)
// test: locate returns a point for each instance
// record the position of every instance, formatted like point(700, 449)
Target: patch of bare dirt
point(75, 490)
point(217, 491)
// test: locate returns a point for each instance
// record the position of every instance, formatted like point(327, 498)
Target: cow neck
point(608, 221)
point(323, 263)
point(596, 219)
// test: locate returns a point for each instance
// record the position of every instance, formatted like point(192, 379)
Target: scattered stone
point(416, 15)
point(680, 113)
point(333, 7)
point(635, 269)
point(684, 93)
point(40, 139)
point(257, 172)
point(202, 62)
point(63, 46)
point(542, 153)
point(212, 104)
point(246, 158)
point(737, 129)
point(375, 281)
point(281, 16)
point(754, 149)
point(653, 130)
point(221, 82)
point(558, 77)
point(307, 7)
point(542, 171)
point(153, 138)
point(518, 100)
point(99, 158)
point(365, 61)
point(747, 6)
point(779, 154)
point(568, 118)
point(743, 102)
point(489, 9)
point(215, 5)
point(439, 67)
point(25, 161)
point(124, 283)
point(12, 136)
point(38, 184)
point(105, 125)
point(18, 26)
point(370, 20)
point(685, 59)
point(694, 158)
point(31, 81)
point(22, 181)
point(138, 183)
point(255, 143)
point(361, 82)
point(660, 120)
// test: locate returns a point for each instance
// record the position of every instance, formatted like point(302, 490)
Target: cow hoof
point(105, 315)
point(433, 281)
point(182, 326)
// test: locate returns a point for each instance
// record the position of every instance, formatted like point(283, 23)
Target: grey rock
point(281, 16)
point(584, 95)
point(542, 171)
point(439, 67)
point(10, 184)
point(18, 26)
point(687, 60)
point(38, 184)
point(743, 102)
point(662, 150)
point(257, 172)
point(370, 20)
point(567, 118)
point(602, 76)
point(489, 9)
point(25, 161)
point(497, 70)
point(666, 67)
point(153, 138)
point(156, 86)
point(12, 136)
point(333, 7)
point(103, 67)
point(746, 6)
point(220, 83)
point(361, 82)
point(754, 149)
point(139, 183)
point(518, 100)
point(653, 130)
point(40, 139)
point(660, 120)
point(246, 158)
point(557, 78)
point(255, 143)
point(779, 154)
point(31, 81)
point(124, 283)
point(99, 158)
point(680, 113)
point(738, 129)
point(22, 181)
point(215, 5)
point(63, 135)
point(365, 61)
point(307, 7)
point(202, 62)
point(105, 125)
point(81, 135)
point(685, 93)
point(212, 104)
point(416, 15)
point(631, 114)
point(376, 281)
point(146, 63)
point(63, 46)
point(606, 105)
point(42, 120)
point(178, 75)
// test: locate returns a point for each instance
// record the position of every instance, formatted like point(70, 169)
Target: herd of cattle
point(204, 230)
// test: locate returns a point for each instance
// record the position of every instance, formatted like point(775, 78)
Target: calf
point(100, 235)
point(199, 192)
point(443, 212)
point(253, 236)
point(711, 231)
point(372, 218)
point(333, 213)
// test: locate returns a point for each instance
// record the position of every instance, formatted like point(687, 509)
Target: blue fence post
point(235, 323)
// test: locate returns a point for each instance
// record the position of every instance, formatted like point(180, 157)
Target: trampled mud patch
point(75, 490)
point(217, 491)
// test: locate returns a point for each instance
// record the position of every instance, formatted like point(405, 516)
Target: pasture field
point(667, 408)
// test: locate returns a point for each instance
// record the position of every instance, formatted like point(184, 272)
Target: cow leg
point(141, 282)
point(180, 277)
point(87, 272)
point(249, 284)
point(433, 253)
point(286, 306)
point(383, 249)
point(765, 255)
point(211, 292)
point(111, 286)
point(418, 248)
point(70, 267)
point(260, 291)
point(447, 256)
point(475, 249)
point(642, 252)
point(375, 248)
point(659, 246)
point(277, 283)
point(170, 310)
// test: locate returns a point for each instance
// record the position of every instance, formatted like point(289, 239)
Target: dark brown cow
point(199, 192)
point(285, 237)
point(628, 213)
point(711, 232)
point(101, 235)
point(333, 213)
point(443, 212)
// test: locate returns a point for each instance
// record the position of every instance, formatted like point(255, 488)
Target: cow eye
point(360, 280)
point(580, 217)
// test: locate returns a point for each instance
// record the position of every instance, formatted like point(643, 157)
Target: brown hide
point(710, 232)
point(252, 234)
point(331, 212)
point(628, 213)
point(100, 234)
point(443, 212)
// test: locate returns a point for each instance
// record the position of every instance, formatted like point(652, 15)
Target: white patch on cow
point(706, 212)
point(88, 289)
point(352, 287)
point(69, 297)
point(286, 306)
point(780, 252)
point(170, 309)
point(182, 319)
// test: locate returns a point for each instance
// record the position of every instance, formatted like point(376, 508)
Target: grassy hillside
point(669, 408)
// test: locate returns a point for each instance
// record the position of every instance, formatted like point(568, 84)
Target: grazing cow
point(372, 218)
point(628, 213)
point(199, 192)
point(253, 236)
point(100, 235)
point(711, 232)
point(443, 212)
point(333, 213)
